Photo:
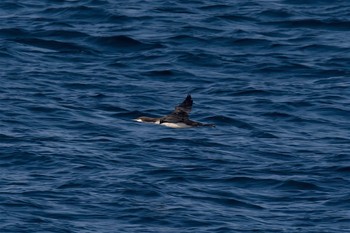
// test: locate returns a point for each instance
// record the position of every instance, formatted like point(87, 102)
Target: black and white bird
point(179, 118)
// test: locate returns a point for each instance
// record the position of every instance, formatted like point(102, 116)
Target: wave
point(224, 120)
point(122, 43)
point(272, 76)
point(298, 185)
point(14, 33)
point(76, 12)
point(64, 47)
point(331, 24)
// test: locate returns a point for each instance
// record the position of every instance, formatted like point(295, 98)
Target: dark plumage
point(179, 118)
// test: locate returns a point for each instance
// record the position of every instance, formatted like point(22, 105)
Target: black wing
point(185, 106)
point(181, 112)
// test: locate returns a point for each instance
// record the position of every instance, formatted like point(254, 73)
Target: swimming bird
point(179, 118)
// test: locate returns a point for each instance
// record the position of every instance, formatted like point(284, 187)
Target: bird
point(179, 118)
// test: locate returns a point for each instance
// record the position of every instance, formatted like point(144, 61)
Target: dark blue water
point(273, 76)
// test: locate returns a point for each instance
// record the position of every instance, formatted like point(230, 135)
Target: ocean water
point(272, 75)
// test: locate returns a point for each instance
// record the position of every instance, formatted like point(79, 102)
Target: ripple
point(76, 12)
point(228, 202)
point(122, 43)
point(66, 47)
point(298, 185)
point(223, 120)
point(314, 24)
point(13, 33)
point(272, 76)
